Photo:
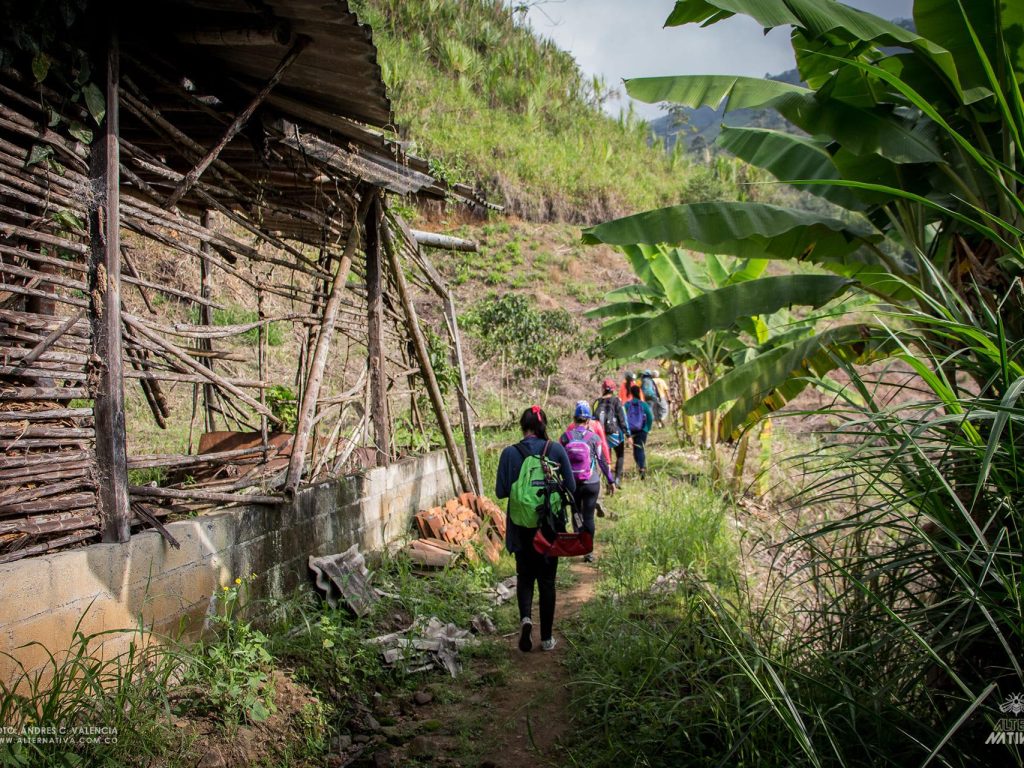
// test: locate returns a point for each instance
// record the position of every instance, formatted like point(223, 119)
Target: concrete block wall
point(110, 586)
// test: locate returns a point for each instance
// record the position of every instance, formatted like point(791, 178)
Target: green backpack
point(534, 497)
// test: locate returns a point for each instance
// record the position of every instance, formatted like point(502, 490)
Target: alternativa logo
point(1014, 704)
point(1009, 730)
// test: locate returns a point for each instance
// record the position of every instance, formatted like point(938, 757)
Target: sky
point(625, 38)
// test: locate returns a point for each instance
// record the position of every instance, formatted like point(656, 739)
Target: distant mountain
point(699, 128)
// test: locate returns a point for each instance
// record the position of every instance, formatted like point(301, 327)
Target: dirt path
point(530, 712)
point(510, 710)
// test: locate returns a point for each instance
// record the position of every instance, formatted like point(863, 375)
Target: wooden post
point(237, 124)
point(423, 357)
point(741, 463)
point(206, 318)
point(415, 239)
point(105, 318)
point(764, 456)
point(469, 436)
point(375, 327)
point(317, 363)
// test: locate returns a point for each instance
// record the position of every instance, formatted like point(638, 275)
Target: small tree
point(528, 342)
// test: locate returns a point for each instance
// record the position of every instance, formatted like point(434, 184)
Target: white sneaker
point(548, 645)
point(525, 632)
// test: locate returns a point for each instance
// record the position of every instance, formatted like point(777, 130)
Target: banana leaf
point(745, 230)
point(789, 158)
point(720, 309)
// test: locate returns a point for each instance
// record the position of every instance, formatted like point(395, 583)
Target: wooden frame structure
point(224, 144)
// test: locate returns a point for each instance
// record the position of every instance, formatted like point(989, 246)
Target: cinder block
point(112, 584)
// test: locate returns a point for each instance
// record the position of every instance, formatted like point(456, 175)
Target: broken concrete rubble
point(345, 577)
point(425, 645)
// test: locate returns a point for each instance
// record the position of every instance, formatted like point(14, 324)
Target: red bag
point(564, 544)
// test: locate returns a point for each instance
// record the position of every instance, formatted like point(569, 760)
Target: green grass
point(492, 103)
point(151, 692)
point(666, 525)
point(651, 685)
point(234, 315)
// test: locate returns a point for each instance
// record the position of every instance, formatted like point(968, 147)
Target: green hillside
point(492, 103)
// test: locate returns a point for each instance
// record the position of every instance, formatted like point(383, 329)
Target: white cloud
point(619, 40)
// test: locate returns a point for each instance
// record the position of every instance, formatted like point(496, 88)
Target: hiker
point(661, 403)
point(626, 388)
point(609, 412)
point(639, 419)
point(586, 453)
point(518, 464)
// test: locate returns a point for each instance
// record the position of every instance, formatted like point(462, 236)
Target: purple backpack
point(635, 416)
point(581, 457)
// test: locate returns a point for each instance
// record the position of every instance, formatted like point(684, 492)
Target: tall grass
point(87, 707)
point(493, 103)
point(916, 630)
point(668, 526)
point(892, 632)
point(652, 685)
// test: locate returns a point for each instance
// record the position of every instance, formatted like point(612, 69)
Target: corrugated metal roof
point(180, 66)
point(337, 74)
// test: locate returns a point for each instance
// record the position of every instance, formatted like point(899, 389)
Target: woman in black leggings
point(585, 449)
point(531, 567)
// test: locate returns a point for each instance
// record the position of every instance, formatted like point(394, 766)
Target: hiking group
point(547, 482)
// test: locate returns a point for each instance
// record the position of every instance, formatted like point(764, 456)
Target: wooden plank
point(375, 324)
point(51, 414)
point(10, 478)
point(43, 524)
point(44, 393)
point(105, 316)
point(39, 549)
point(201, 495)
point(64, 502)
point(41, 492)
point(49, 341)
point(174, 460)
point(18, 430)
point(47, 459)
point(35, 322)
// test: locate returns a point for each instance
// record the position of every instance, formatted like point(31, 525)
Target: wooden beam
point(439, 286)
point(105, 317)
point(279, 34)
point(468, 434)
point(311, 391)
point(423, 356)
point(206, 318)
point(238, 123)
point(40, 348)
point(375, 325)
point(446, 242)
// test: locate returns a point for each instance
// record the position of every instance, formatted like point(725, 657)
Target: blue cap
point(583, 410)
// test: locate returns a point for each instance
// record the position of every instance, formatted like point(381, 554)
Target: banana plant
point(916, 140)
point(730, 320)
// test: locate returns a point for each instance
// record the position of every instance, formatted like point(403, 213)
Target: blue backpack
point(636, 419)
point(648, 387)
